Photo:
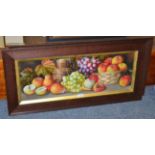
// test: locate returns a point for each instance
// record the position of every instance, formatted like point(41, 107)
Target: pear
point(48, 81)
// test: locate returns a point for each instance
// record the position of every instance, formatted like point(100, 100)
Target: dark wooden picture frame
point(143, 46)
point(80, 38)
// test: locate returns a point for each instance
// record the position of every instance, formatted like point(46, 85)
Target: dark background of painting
point(129, 58)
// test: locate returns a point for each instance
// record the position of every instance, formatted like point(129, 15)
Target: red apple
point(102, 68)
point(112, 68)
point(98, 87)
point(94, 77)
point(117, 60)
point(125, 80)
point(108, 61)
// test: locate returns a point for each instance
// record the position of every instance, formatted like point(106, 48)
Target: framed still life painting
point(57, 76)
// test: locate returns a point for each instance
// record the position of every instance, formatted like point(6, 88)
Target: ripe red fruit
point(125, 80)
point(94, 77)
point(102, 68)
point(112, 68)
point(108, 61)
point(99, 87)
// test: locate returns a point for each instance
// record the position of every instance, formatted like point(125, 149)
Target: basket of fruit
point(109, 78)
point(110, 70)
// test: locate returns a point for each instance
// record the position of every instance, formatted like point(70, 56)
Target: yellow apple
point(117, 60)
point(123, 67)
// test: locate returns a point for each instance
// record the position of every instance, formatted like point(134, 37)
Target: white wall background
point(14, 40)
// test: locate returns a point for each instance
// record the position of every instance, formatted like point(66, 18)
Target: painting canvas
point(48, 79)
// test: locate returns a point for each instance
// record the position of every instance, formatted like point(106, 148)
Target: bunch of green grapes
point(73, 82)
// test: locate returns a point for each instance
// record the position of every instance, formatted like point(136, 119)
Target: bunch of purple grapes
point(88, 65)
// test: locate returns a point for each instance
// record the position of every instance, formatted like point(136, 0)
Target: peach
point(38, 81)
point(29, 89)
point(94, 77)
point(125, 80)
point(123, 67)
point(108, 61)
point(112, 68)
point(117, 60)
point(57, 88)
point(48, 81)
point(102, 68)
point(98, 87)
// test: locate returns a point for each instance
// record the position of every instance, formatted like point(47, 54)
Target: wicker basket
point(109, 78)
